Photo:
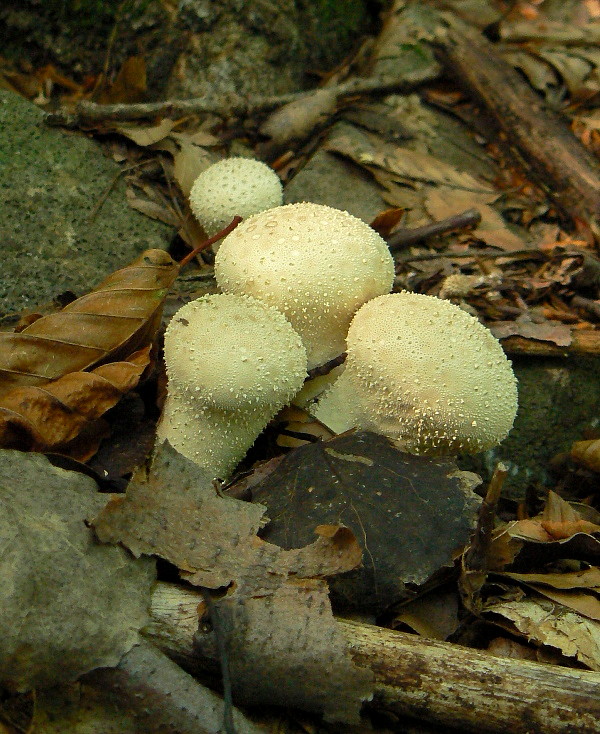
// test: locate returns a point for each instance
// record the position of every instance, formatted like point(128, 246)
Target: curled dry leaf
point(43, 418)
point(108, 324)
point(587, 453)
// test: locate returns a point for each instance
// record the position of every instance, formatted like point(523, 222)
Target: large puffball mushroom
point(233, 186)
point(316, 264)
point(425, 373)
point(232, 363)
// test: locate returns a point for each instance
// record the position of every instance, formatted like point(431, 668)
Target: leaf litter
point(276, 612)
point(425, 183)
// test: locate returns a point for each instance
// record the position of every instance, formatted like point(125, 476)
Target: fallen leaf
point(434, 615)
point(409, 513)
point(68, 604)
point(546, 623)
point(129, 85)
point(188, 164)
point(283, 641)
point(548, 331)
point(587, 453)
point(296, 120)
point(48, 417)
point(385, 222)
point(444, 202)
point(145, 135)
point(108, 324)
point(405, 165)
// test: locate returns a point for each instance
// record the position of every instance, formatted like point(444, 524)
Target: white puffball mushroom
point(316, 264)
point(233, 187)
point(232, 363)
point(424, 372)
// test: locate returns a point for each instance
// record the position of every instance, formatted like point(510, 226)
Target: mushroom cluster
point(424, 372)
point(301, 284)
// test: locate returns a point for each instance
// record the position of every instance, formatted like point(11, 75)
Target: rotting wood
point(561, 164)
point(584, 342)
point(434, 681)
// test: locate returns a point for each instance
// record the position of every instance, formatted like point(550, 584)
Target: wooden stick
point(561, 164)
point(434, 681)
point(583, 342)
point(226, 105)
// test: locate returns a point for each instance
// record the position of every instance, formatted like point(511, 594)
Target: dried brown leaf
point(283, 641)
point(546, 623)
point(587, 453)
point(548, 331)
point(45, 418)
point(119, 316)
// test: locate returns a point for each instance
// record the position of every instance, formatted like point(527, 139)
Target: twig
point(483, 253)
point(325, 369)
point(207, 243)
point(406, 237)
point(475, 560)
point(228, 724)
point(440, 682)
point(547, 148)
point(233, 105)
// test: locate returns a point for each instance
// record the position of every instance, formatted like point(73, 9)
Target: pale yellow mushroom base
point(215, 440)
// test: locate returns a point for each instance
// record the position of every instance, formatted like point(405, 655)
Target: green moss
point(342, 22)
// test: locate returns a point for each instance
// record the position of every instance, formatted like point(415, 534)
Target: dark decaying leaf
point(284, 644)
point(106, 325)
point(69, 604)
point(409, 513)
point(49, 417)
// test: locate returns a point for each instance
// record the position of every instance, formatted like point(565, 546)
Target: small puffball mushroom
point(425, 373)
point(232, 363)
point(316, 264)
point(233, 186)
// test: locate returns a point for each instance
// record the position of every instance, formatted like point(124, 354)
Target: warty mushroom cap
point(426, 373)
point(316, 264)
point(231, 350)
point(232, 363)
point(233, 186)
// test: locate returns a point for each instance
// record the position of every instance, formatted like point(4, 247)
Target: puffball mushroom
point(316, 264)
point(233, 186)
point(232, 363)
point(425, 373)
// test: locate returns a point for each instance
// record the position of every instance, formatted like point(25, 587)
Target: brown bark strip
point(583, 342)
point(434, 681)
point(547, 148)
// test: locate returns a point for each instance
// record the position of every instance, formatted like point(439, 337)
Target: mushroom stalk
point(232, 363)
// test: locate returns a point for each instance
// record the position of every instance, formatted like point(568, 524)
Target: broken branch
point(435, 681)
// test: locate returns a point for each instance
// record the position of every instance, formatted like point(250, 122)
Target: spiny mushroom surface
point(233, 186)
point(316, 264)
point(425, 373)
point(232, 363)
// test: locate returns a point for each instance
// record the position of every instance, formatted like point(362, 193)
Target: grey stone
point(337, 182)
point(64, 222)
point(558, 400)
